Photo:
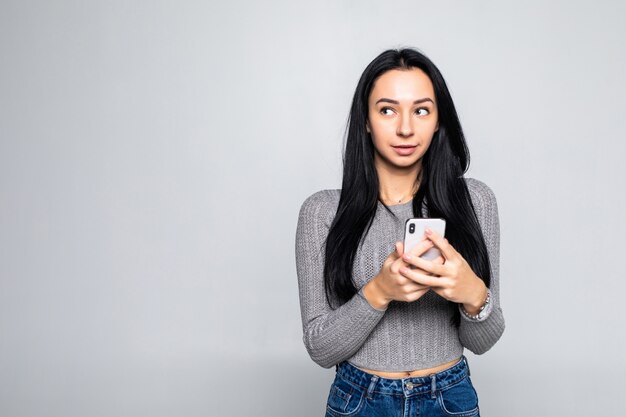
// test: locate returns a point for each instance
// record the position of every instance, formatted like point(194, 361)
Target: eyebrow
point(421, 100)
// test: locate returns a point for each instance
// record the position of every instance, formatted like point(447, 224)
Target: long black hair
point(442, 189)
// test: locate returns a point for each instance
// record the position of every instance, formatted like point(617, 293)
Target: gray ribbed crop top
point(404, 336)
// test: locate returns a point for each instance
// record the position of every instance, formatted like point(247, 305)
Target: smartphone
point(414, 233)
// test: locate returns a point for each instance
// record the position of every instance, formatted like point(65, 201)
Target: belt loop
point(433, 385)
point(467, 364)
point(372, 385)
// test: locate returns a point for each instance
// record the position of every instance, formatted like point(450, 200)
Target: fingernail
point(407, 256)
point(428, 231)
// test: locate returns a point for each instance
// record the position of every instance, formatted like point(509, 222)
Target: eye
point(424, 109)
point(385, 108)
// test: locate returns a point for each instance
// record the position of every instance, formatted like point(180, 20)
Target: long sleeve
point(480, 336)
point(330, 336)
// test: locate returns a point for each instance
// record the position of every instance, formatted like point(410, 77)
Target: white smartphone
point(414, 233)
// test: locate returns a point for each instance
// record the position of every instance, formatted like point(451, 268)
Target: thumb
point(399, 248)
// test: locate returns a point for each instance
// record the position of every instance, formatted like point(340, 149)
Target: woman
point(394, 325)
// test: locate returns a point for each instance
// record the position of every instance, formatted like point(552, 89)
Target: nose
point(404, 126)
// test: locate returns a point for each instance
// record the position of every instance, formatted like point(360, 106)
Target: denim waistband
point(409, 386)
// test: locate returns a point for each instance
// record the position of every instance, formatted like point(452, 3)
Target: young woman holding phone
point(393, 324)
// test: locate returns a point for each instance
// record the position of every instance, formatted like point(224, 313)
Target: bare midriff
point(417, 372)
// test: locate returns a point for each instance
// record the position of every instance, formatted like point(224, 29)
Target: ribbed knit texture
point(405, 336)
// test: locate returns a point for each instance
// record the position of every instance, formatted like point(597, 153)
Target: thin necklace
point(412, 193)
point(400, 201)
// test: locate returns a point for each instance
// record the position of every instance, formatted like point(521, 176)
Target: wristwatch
point(482, 313)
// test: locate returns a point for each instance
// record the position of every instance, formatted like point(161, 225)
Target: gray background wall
point(154, 156)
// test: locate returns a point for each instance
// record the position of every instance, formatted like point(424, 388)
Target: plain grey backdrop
point(154, 156)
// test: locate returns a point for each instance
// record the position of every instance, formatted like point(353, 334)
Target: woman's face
point(402, 118)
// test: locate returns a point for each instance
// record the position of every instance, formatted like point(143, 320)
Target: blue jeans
point(446, 393)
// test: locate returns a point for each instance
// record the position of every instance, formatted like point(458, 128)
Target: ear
point(437, 128)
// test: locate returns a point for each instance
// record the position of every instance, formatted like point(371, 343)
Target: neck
point(398, 184)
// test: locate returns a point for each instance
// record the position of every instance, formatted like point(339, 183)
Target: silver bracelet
point(480, 314)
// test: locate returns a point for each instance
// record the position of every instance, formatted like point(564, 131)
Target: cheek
point(430, 129)
point(381, 144)
point(377, 142)
point(383, 128)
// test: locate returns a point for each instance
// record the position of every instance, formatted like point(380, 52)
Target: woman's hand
point(390, 284)
point(453, 279)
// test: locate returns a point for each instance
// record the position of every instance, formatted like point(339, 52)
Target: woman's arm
point(330, 336)
point(480, 336)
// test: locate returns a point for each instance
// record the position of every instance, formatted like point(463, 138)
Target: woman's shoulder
point(480, 190)
point(483, 197)
point(324, 197)
point(322, 202)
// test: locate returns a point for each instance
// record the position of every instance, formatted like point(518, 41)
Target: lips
point(404, 149)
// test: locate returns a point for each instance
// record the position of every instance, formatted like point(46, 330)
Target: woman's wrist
point(474, 307)
point(374, 295)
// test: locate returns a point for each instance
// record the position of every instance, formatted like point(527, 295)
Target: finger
point(442, 243)
point(422, 278)
point(399, 248)
point(414, 286)
point(421, 247)
point(397, 251)
point(417, 294)
point(431, 267)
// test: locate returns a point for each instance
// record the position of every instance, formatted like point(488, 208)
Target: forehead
point(402, 85)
